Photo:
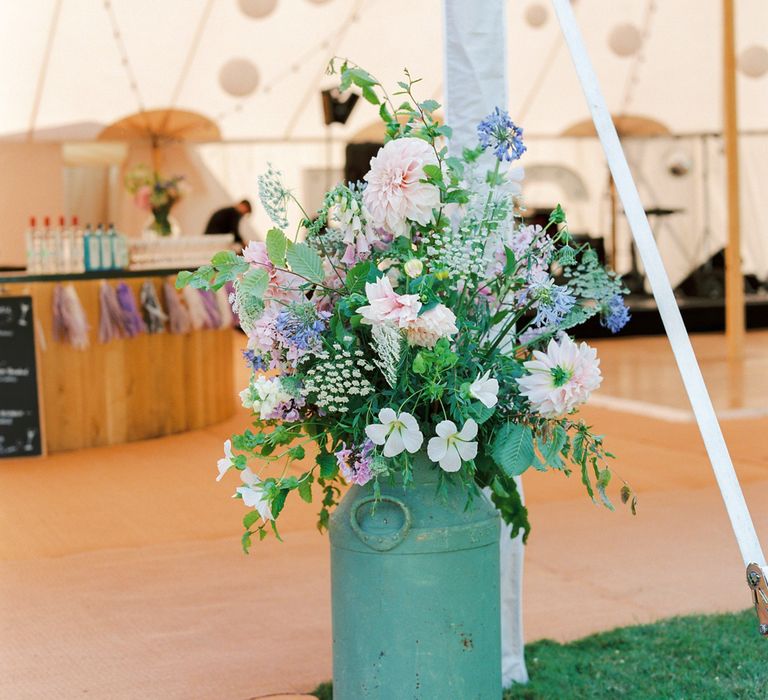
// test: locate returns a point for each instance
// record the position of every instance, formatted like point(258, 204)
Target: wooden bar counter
point(129, 389)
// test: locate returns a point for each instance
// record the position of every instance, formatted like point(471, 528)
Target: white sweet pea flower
point(397, 432)
point(227, 461)
point(452, 446)
point(253, 494)
point(485, 390)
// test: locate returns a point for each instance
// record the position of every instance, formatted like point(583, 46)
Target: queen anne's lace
point(336, 377)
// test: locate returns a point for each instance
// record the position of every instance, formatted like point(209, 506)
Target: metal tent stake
point(741, 522)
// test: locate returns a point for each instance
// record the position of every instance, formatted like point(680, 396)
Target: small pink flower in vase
point(142, 198)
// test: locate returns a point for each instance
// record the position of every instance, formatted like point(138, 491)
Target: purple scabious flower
point(499, 133)
point(254, 361)
point(355, 462)
point(615, 314)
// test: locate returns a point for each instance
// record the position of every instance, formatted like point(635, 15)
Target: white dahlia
point(394, 193)
point(561, 378)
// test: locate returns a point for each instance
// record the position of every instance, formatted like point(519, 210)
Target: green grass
point(710, 657)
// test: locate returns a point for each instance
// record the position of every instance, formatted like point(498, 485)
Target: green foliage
point(513, 448)
point(336, 369)
point(225, 267)
point(305, 262)
point(277, 246)
point(255, 282)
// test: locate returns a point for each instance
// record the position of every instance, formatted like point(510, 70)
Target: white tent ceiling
point(61, 75)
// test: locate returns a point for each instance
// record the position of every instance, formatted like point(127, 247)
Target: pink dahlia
point(395, 192)
point(387, 306)
point(427, 329)
point(561, 378)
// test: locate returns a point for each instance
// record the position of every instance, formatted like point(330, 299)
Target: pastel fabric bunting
point(70, 324)
point(111, 319)
point(133, 323)
point(154, 316)
point(198, 315)
point(178, 316)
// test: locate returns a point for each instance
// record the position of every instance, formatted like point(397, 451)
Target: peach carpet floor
point(121, 574)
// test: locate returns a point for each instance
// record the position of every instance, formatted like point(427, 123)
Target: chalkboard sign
point(19, 407)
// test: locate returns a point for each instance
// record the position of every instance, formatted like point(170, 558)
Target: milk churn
point(415, 587)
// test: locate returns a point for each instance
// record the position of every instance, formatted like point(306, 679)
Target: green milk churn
point(415, 588)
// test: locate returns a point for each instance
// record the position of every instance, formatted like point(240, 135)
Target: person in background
point(227, 220)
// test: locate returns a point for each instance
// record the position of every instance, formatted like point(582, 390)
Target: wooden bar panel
point(131, 389)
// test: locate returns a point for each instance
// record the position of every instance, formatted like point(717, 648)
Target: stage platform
point(700, 315)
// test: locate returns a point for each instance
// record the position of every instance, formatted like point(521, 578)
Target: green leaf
point(183, 278)
point(626, 493)
point(513, 448)
point(511, 264)
point(304, 261)
point(603, 480)
point(357, 276)
point(433, 172)
point(297, 452)
point(329, 467)
point(255, 282)
point(245, 541)
point(277, 245)
point(361, 78)
point(550, 451)
point(457, 196)
point(370, 95)
point(250, 518)
point(480, 412)
point(429, 105)
point(223, 257)
point(277, 503)
point(305, 487)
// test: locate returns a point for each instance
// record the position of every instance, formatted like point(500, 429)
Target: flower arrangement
point(419, 314)
point(154, 193)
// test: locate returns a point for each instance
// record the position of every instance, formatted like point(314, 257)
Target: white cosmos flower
point(397, 432)
point(452, 446)
point(485, 390)
point(226, 462)
point(253, 494)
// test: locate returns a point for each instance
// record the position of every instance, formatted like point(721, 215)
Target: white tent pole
point(475, 83)
point(701, 403)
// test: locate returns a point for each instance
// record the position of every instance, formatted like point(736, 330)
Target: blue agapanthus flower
point(615, 314)
point(299, 328)
point(254, 361)
point(499, 133)
point(551, 301)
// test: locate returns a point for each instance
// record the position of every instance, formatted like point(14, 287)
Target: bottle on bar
point(30, 241)
point(46, 247)
point(102, 261)
point(77, 247)
point(110, 239)
point(105, 262)
point(59, 260)
point(91, 250)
